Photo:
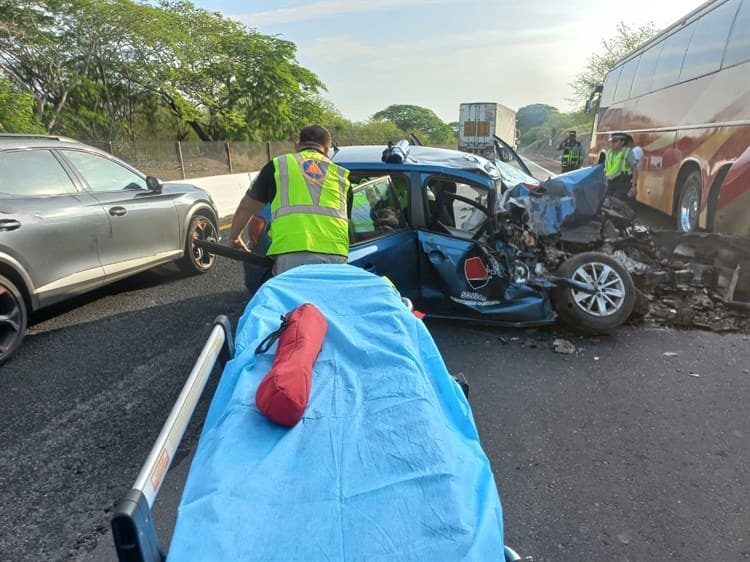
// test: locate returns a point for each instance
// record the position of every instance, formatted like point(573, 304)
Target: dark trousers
point(619, 187)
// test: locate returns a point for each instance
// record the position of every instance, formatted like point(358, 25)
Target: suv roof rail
point(35, 136)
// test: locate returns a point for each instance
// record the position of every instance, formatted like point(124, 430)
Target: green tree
point(99, 68)
point(601, 62)
point(225, 81)
point(16, 110)
point(531, 116)
point(418, 120)
point(44, 50)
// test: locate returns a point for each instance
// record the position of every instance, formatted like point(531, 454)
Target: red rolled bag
point(285, 390)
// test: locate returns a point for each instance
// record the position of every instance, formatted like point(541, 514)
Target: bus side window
point(670, 60)
point(709, 39)
point(645, 73)
point(626, 79)
point(738, 47)
point(610, 85)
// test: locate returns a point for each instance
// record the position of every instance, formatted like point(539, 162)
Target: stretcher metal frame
point(133, 529)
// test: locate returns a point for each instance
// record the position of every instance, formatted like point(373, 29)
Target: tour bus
point(684, 97)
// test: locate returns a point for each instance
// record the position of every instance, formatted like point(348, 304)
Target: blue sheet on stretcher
point(385, 465)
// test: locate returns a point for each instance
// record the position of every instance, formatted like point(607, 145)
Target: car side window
point(450, 213)
point(376, 209)
point(103, 174)
point(32, 173)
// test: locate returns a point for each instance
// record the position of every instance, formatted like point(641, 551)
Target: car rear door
point(144, 225)
point(47, 226)
point(381, 240)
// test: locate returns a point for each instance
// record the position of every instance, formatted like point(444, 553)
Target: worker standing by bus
point(620, 167)
point(571, 156)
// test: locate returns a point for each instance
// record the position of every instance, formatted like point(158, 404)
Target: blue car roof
point(425, 158)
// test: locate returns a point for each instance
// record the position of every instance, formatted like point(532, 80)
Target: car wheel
point(198, 260)
point(13, 318)
point(688, 206)
point(611, 303)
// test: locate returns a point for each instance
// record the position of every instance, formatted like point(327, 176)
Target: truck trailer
point(478, 122)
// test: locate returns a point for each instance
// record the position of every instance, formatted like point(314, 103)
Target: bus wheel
point(688, 206)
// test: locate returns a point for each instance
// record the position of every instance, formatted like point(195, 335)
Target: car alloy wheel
point(13, 319)
point(201, 228)
point(609, 289)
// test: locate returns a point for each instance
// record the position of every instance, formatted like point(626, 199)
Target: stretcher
point(386, 463)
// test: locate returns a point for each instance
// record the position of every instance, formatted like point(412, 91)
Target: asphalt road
point(615, 452)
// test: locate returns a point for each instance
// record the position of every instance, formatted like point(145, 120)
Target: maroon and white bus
point(684, 96)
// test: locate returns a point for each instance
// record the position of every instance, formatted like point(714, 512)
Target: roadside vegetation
point(112, 70)
point(126, 70)
point(542, 127)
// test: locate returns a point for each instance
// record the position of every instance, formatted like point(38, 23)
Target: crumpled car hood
point(565, 201)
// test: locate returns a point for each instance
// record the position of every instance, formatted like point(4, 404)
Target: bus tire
point(689, 203)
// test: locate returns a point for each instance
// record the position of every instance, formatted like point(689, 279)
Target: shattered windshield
point(512, 176)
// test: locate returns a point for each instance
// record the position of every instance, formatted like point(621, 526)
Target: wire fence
point(169, 160)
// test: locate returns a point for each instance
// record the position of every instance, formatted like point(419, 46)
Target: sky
point(440, 53)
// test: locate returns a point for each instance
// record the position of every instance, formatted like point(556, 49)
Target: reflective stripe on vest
point(571, 156)
point(616, 163)
point(314, 188)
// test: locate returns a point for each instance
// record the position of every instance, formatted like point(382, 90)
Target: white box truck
point(479, 121)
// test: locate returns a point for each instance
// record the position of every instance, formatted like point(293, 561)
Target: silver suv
point(73, 218)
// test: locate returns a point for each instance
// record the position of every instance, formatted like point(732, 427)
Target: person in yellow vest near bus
point(310, 198)
point(621, 169)
point(571, 156)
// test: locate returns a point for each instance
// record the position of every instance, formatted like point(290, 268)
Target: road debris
point(563, 346)
point(687, 280)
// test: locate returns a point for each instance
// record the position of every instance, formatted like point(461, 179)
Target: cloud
point(327, 9)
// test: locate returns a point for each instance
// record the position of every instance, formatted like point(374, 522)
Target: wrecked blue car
point(465, 237)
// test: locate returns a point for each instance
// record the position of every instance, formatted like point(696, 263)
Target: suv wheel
point(198, 260)
point(13, 318)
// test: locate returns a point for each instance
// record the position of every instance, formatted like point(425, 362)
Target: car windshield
point(511, 176)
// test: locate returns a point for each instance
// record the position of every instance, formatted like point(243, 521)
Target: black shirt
point(263, 188)
point(569, 144)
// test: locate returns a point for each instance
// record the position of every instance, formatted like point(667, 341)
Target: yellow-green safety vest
point(308, 212)
point(616, 163)
point(571, 156)
point(361, 213)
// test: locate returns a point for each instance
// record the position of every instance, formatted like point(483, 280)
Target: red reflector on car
point(475, 270)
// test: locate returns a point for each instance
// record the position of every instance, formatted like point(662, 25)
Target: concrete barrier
point(226, 191)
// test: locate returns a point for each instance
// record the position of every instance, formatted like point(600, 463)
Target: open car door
point(462, 277)
point(381, 241)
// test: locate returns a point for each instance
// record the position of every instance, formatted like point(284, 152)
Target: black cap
point(618, 136)
point(572, 133)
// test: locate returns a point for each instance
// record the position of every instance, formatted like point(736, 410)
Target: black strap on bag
point(271, 338)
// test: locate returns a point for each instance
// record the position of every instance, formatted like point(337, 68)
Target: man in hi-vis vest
point(310, 198)
point(620, 167)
